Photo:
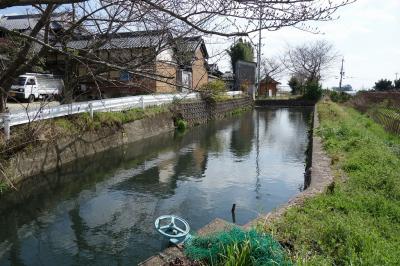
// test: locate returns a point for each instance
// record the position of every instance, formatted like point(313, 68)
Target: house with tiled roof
point(147, 55)
point(191, 56)
point(155, 61)
point(25, 23)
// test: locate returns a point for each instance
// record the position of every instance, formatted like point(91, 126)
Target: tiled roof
point(17, 24)
point(24, 22)
point(125, 40)
point(190, 44)
point(186, 48)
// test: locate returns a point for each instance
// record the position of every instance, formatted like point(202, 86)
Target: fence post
point(6, 124)
point(142, 102)
point(91, 110)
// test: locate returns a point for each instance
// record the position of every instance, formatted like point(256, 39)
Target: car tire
point(31, 98)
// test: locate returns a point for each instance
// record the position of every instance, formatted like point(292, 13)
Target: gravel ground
point(16, 107)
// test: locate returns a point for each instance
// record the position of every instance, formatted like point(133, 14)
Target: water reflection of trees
point(285, 129)
point(149, 168)
point(242, 135)
point(143, 173)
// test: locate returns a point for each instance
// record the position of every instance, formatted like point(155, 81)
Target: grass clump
point(237, 247)
point(181, 125)
point(339, 96)
point(357, 221)
point(240, 110)
point(3, 186)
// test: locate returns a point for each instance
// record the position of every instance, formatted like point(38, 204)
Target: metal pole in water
point(233, 213)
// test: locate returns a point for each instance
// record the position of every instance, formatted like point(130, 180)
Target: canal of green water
point(101, 210)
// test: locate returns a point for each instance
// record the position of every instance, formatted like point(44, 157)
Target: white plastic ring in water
point(171, 230)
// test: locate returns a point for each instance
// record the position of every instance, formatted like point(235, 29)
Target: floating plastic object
point(175, 228)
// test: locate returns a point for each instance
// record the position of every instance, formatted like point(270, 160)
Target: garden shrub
point(214, 91)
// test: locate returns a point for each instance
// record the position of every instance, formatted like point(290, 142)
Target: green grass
point(3, 186)
point(181, 125)
point(236, 247)
point(358, 221)
point(106, 119)
point(238, 111)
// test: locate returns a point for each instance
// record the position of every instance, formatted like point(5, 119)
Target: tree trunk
point(68, 89)
point(3, 101)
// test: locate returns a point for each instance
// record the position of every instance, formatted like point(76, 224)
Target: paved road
point(16, 107)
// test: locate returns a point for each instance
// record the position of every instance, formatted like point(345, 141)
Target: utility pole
point(259, 55)
point(396, 75)
point(341, 76)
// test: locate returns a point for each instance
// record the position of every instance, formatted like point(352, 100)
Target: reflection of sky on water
point(103, 211)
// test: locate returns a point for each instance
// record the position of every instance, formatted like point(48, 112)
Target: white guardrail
point(8, 120)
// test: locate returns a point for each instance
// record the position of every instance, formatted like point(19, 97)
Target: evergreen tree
point(295, 85)
point(397, 84)
point(242, 50)
point(383, 85)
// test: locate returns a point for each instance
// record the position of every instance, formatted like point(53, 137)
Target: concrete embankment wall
point(57, 153)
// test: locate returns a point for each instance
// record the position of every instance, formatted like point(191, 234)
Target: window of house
point(125, 76)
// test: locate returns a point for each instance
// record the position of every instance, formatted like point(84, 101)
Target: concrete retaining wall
point(57, 153)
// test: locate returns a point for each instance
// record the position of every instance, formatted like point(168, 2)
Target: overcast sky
point(367, 34)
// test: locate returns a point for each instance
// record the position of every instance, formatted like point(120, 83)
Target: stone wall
point(201, 111)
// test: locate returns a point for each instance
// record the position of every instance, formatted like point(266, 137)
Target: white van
point(33, 86)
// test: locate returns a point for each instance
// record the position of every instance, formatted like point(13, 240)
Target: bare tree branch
point(10, 3)
point(310, 61)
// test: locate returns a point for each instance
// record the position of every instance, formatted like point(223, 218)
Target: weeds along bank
point(357, 220)
point(45, 145)
point(382, 107)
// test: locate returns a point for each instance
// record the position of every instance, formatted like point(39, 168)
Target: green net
point(216, 249)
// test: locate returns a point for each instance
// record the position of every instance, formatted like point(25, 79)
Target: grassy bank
point(357, 221)
point(106, 119)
